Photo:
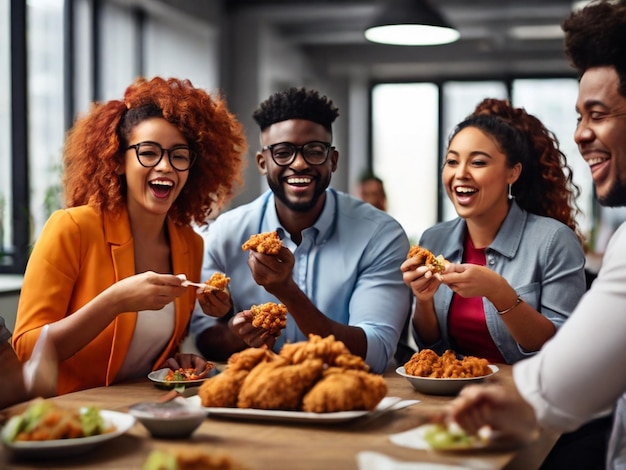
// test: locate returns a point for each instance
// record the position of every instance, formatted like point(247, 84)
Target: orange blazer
point(79, 254)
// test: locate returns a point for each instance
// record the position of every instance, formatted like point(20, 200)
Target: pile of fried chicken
point(269, 316)
point(319, 375)
point(427, 363)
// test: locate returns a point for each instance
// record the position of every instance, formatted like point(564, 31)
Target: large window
point(42, 89)
point(553, 102)
point(405, 133)
point(46, 107)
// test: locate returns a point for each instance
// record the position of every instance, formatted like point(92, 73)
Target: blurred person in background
point(371, 189)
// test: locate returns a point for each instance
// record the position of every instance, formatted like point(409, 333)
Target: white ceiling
point(330, 33)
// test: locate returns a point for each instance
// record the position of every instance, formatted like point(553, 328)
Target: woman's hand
point(420, 279)
point(215, 303)
point(470, 280)
point(241, 325)
point(188, 361)
point(146, 291)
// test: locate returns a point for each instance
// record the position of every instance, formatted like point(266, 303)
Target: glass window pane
point(45, 102)
point(6, 199)
point(165, 39)
point(83, 56)
point(459, 100)
point(405, 129)
point(552, 101)
point(119, 64)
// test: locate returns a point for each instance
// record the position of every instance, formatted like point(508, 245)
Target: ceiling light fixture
point(410, 23)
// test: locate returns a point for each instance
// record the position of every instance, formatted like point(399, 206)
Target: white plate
point(64, 447)
point(293, 416)
point(415, 439)
point(433, 386)
point(369, 460)
point(158, 376)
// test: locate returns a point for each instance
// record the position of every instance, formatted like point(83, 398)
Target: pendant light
point(410, 23)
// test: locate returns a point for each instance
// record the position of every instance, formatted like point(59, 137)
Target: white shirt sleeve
point(579, 373)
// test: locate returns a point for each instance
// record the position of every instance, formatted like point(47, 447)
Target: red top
point(466, 318)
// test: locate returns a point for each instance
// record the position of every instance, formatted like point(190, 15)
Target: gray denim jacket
point(540, 258)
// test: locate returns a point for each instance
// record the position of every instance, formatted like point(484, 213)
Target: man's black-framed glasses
point(149, 154)
point(284, 153)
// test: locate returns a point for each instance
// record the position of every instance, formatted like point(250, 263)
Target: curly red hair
point(545, 185)
point(95, 147)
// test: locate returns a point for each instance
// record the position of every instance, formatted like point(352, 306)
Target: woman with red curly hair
point(103, 273)
point(516, 267)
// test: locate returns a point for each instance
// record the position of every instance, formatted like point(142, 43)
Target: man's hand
point(273, 272)
point(241, 325)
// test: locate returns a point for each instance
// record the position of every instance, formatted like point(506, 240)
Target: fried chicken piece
point(218, 281)
point(422, 363)
point(345, 390)
point(277, 385)
point(328, 349)
point(248, 358)
point(190, 458)
point(476, 366)
point(267, 242)
point(222, 389)
point(424, 257)
point(270, 316)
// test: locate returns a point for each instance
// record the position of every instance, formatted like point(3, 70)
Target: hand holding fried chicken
point(274, 272)
point(254, 336)
point(421, 271)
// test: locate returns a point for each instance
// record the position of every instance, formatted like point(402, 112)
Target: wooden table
point(269, 445)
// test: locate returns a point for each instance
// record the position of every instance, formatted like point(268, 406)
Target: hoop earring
point(510, 194)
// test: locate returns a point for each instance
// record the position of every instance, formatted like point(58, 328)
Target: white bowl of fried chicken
point(432, 374)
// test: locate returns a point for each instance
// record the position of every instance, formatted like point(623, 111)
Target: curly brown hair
point(596, 37)
point(545, 185)
point(95, 147)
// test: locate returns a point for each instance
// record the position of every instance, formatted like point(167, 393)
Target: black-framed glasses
point(284, 153)
point(149, 154)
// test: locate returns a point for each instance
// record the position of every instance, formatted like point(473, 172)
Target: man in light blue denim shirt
point(338, 271)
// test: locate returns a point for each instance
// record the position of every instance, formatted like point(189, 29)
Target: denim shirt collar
point(509, 236)
point(507, 239)
point(323, 226)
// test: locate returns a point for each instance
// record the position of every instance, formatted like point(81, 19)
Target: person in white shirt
point(579, 374)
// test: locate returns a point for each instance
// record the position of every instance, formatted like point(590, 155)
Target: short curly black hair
point(296, 103)
point(596, 37)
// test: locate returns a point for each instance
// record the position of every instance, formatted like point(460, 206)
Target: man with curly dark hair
point(337, 271)
point(579, 374)
point(103, 273)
